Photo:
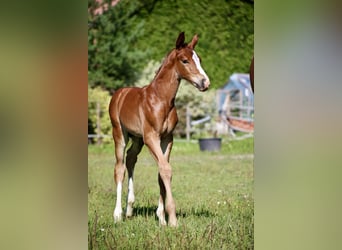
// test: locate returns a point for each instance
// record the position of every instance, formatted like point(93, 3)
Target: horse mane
point(164, 59)
point(161, 65)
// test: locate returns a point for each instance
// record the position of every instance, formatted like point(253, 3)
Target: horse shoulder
point(172, 119)
point(165, 120)
point(159, 114)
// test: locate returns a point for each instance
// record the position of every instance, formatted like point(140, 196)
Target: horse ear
point(180, 40)
point(193, 42)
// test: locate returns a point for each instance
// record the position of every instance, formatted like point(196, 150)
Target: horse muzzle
point(204, 84)
point(201, 84)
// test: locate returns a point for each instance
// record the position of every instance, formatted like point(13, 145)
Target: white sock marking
point(130, 190)
point(118, 208)
point(130, 198)
point(161, 213)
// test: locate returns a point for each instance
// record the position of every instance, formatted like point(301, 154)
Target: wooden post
point(226, 105)
point(241, 104)
point(188, 122)
point(98, 123)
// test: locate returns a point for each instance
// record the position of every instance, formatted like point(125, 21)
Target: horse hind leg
point(131, 159)
point(120, 140)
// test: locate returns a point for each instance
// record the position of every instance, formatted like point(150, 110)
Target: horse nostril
point(203, 83)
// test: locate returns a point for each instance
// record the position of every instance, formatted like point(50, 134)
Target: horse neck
point(166, 81)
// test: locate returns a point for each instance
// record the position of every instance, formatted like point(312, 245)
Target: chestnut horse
point(148, 116)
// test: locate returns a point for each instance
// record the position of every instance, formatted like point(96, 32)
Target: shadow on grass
point(145, 211)
point(150, 211)
point(198, 212)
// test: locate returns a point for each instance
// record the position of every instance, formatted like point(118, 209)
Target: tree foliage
point(127, 43)
point(225, 29)
point(125, 38)
point(113, 59)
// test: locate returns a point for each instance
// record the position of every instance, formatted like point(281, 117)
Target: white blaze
point(198, 64)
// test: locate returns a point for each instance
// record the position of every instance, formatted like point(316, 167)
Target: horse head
point(188, 63)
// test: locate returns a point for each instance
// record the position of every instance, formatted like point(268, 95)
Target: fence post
point(188, 122)
point(241, 105)
point(98, 123)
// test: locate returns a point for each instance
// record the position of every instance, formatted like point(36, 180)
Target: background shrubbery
point(127, 43)
point(125, 38)
point(98, 96)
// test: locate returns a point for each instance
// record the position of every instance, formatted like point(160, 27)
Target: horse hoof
point(129, 213)
point(162, 222)
point(117, 219)
point(173, 224)
point(161, 216)
point(117, 216)
point(129, 208)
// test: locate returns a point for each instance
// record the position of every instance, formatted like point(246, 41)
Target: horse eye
point(185, 61)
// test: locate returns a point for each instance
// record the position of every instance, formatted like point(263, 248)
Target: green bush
point(98, 96)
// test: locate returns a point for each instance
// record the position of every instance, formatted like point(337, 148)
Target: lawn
point(213, 192)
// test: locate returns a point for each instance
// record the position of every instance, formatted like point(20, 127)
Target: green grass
point(213, 194)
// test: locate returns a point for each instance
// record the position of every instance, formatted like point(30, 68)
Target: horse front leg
point(160, 151)
point(165, 173)
point(161, 203)
point(166, 146)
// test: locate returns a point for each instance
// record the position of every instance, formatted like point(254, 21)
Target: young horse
point(148, 116)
